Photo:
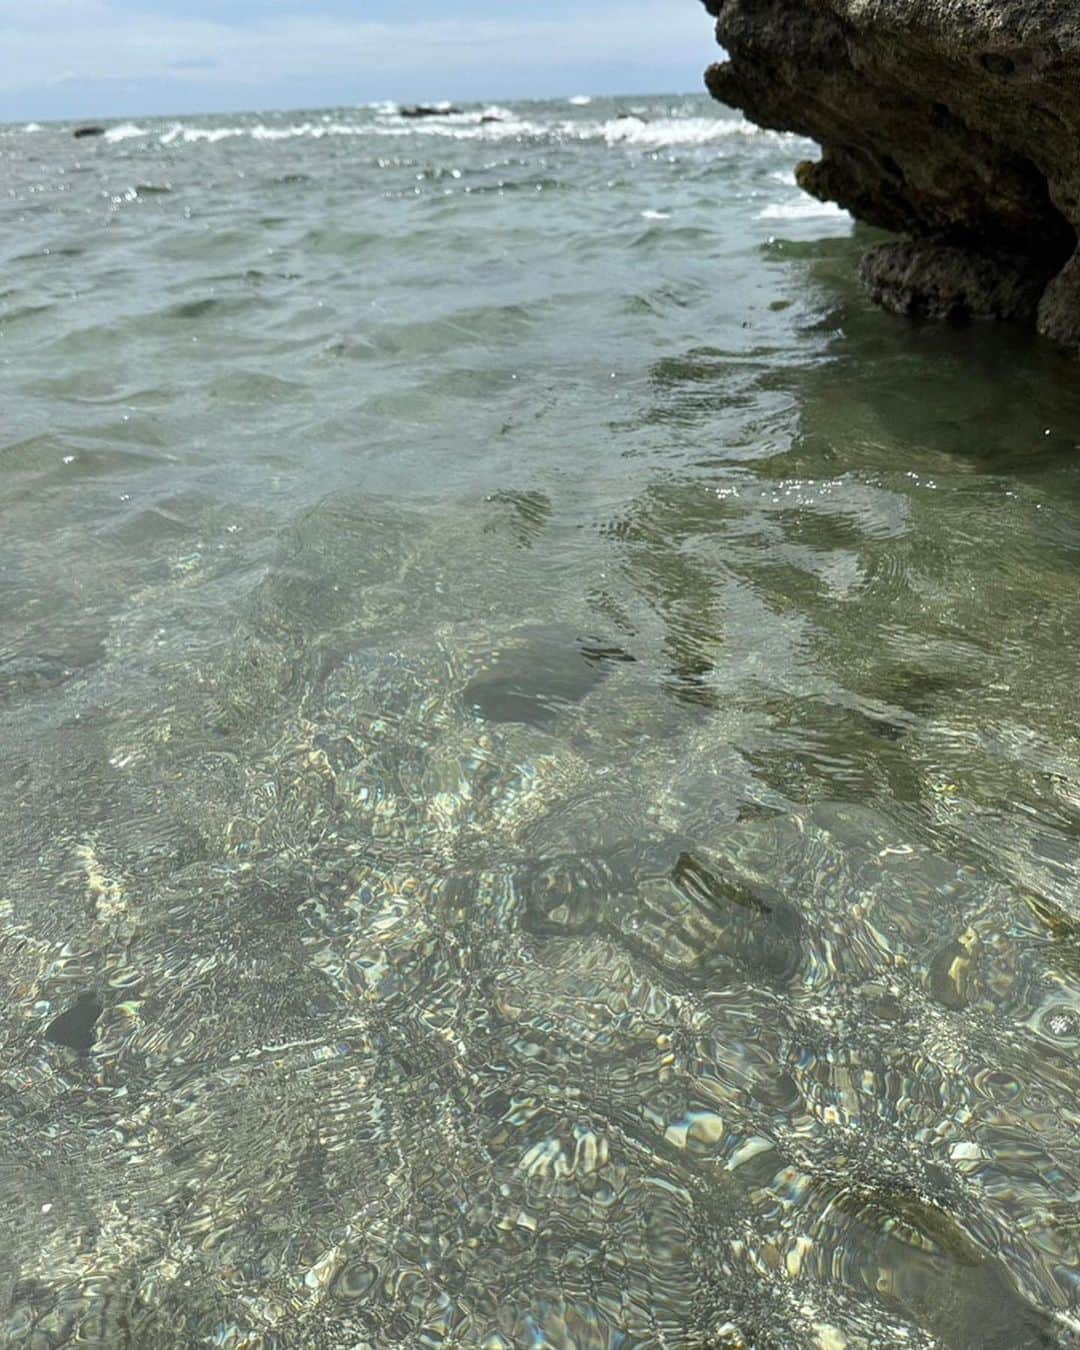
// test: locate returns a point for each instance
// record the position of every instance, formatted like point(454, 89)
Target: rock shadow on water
point(539, 673)
point(76, 1027)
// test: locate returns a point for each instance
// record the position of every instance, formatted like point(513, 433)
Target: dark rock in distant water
point(491, 117)
point(80, 132)
point(429, 110)
point(952, 122)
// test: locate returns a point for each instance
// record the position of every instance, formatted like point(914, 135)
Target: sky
point(85, 59)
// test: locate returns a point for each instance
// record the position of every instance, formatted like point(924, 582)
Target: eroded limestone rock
point(955, 123)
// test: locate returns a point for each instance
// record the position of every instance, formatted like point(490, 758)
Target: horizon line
point(94, 119)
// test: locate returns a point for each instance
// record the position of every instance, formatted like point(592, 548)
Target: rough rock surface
point(953, 122)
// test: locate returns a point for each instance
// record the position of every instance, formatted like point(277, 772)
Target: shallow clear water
point(541, 803)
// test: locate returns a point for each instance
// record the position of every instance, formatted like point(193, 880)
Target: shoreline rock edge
point(952, 123)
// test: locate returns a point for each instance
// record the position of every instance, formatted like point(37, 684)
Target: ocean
point(540, 797)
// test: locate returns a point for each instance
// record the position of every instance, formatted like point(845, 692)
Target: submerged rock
point(32, 672)
point(952, 122)
point(539, 672)
point(80, 132)
point(21, 673)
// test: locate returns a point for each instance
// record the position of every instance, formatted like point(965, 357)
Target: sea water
point(540, 797)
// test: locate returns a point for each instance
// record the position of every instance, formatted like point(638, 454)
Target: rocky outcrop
point(429, 110)
point(955, 123)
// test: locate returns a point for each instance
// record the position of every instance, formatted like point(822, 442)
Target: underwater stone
point(538, 673)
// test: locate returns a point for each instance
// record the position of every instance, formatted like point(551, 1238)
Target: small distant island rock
point(953, 123)
point(80, 132)
point(428, 110)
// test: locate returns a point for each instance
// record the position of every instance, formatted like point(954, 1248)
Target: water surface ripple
point(541, 803)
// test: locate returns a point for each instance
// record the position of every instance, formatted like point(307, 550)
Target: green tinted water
point(541, 803)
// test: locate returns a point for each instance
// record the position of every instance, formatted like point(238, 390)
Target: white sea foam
point(194, 135)
point(462, 127)
point(670, 131)
point(32, 126)
point(126, 131)
point(456, 127)
point(803, 208)
point(262, 133)
point(580, 100)
point(629, 131)
point(656, 215)
point(493, 123)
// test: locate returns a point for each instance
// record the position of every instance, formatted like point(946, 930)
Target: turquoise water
point(541, 801)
